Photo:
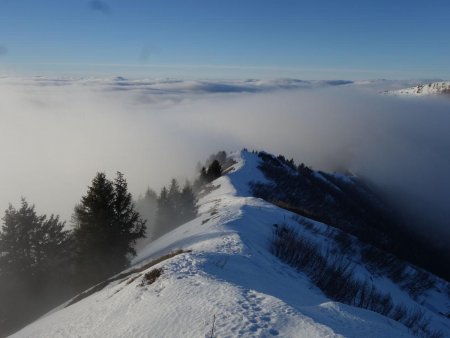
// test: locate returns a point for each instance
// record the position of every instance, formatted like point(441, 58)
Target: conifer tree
point(147, 206)
point(106, 228)
point(175, 207)
point(214, 171)
point(31, 245)
point(34, 252)
point(188, 208)
point(129, 226)
point(164, 215)
point(173, 197)
point(208, 175)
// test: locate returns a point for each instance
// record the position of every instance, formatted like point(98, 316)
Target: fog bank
point(56, 134)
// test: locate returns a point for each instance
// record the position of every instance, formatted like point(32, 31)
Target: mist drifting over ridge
point(57, 133)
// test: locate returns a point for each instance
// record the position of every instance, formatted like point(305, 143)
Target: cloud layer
point(57, 133)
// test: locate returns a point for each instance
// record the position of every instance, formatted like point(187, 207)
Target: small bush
point(418, 283)
point(381, 262)
point(303, 221)
point(384, 263)
point(344, 241)
point(151, 276)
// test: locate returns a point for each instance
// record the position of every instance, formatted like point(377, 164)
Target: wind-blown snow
point(229, 277)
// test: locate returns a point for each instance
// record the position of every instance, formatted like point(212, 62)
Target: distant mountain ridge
point(433, 88)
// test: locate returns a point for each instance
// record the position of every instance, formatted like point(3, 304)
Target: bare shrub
point(418, 283)
point(381, 262)
point(303, 221)
point(384, 263)
point(151, 276)
point(334, 276)
point(344, 241)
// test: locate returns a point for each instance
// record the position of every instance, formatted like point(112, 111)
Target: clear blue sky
point(314, 39)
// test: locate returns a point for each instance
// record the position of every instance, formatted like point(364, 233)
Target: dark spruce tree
point(106, 227)
point(34, 252)
point(163, 214)
point(175, 207)
point(188, 208)
point(129, 225)
point(167, 216)
point(214, 170)
point(173, 198)
point(208, 175)
point(147, 205)
point(32, 246)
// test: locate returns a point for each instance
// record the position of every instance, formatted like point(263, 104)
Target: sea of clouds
point(56, 133)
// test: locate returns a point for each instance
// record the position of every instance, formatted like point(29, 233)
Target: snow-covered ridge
point(434, 88)
point(228, 280)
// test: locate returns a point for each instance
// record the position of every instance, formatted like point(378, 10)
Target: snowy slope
point(229, 280)
point(435, 88)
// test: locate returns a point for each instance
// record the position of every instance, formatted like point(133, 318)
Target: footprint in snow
point(258, 322)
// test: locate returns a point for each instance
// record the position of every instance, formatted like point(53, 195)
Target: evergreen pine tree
point(188, 208)
point(147, 207)
point(16, 239)
point(31, 245)
point(173, 198)
point(203, 176)
point(175, 207)
point(164, 215)
point(34, 251)
point(208, 175)
point(129, 226)
point(214, 171)
point(106, 227)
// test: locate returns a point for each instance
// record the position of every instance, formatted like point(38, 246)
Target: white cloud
point(55, 134)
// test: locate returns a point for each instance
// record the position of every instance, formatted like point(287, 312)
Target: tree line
point(175, 205)
point(43, 261)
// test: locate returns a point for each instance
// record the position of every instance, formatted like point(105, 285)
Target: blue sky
point(345, 39)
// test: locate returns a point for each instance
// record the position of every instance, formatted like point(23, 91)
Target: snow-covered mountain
point(434, 88)
point(217, 276)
